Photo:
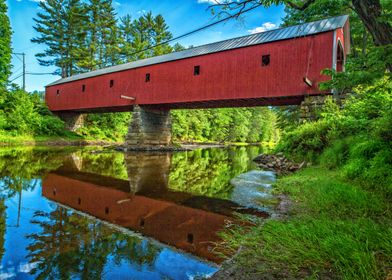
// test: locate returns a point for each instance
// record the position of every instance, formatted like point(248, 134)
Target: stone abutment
point(149, 128)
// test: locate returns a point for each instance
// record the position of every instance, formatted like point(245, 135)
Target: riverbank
point(73, 139)
point(336, 230)
point(68, 140)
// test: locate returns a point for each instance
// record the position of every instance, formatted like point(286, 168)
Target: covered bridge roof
point(284, 33)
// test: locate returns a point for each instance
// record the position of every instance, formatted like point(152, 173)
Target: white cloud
point(27, 267)
point(264, 27)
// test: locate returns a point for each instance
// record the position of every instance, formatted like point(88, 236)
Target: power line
point(15, 73)
point(198, 29)
point(32, 73)
point(23, 66)
point(17, 70)
point(16, 78)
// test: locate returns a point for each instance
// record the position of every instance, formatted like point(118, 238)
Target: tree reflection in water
point(70, 245)
point(208, 172)
point(19, 170)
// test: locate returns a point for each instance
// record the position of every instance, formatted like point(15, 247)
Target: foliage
point(84, 36)
point(356, 137)
point(100, 47)
point(23, 113)
point(5, 44)
point(337, 230)
point(60, 26)
point(143, 33)
point(225, 125)
point(108, 126)
point(250, 125)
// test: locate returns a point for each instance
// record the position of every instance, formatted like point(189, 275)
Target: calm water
point(89, 214)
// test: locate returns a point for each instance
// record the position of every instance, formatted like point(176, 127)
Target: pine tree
point(126, 38)
point(61, 28)
point(161, 34)
point(102, 41)
point(5, 44)
point(143, 33)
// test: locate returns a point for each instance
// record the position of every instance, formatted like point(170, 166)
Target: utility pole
point(24, 71)
point(24, 68)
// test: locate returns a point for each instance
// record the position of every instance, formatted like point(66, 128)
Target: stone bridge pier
point(149, 128)
point(148, 172)
point(72, 120)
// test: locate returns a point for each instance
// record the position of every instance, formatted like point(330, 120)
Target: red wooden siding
point(228, 78)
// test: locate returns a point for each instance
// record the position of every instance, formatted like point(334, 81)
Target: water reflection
point(179, 199)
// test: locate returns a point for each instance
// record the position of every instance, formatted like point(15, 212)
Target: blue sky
point(181, 16)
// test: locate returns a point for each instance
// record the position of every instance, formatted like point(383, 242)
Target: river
point(71, 213)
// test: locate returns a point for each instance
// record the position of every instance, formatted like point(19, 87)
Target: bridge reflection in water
point(145, 203)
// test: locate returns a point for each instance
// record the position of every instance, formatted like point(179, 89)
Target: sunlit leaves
point(5, 44)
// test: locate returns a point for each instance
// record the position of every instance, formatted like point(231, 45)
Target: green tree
point(5, 44)
point(144, 33)
point(126, 38)
point(60, 25)
point(24, 113)
point(101, 45)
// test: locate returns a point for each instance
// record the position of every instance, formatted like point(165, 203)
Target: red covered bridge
point(277, 67)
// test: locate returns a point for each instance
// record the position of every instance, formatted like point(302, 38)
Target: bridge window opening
point(265, 60)
point(58, 92)
point(106, 210)
point(83, 88)
point(141, 222)
point(189, 238)
point(79, 201)
point(111, 83)
point(196, 70)
point(148, 77)
point(339, 58)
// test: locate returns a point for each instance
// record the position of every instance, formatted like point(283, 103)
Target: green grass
point(337, 230)
point(9, 139)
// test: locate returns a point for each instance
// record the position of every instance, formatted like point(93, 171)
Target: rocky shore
point(278, 163)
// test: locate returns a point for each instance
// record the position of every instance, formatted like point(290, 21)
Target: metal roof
point(300, 30)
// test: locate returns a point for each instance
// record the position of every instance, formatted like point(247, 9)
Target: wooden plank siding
point(228, 78)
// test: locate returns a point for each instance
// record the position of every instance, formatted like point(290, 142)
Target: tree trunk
point(370, 12)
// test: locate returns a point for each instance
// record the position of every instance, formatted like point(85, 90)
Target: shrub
point(357, 137)
point(24, 113)
point(337, 153)
point(307, 141)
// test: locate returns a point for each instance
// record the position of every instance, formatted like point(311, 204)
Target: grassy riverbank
point(337, 230)
point(68, 139)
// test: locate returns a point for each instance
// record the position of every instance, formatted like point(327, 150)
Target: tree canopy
point(5, 43)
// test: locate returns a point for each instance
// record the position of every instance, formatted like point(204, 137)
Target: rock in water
point(278, 163)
